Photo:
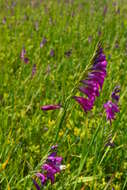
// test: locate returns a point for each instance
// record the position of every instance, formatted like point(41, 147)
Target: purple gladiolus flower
point(68, 53)
point(115, 96)
point(111, 109)
point(53, 153)
point(94, 81)
point(56, 160)
point(26, 60)
point(23, 56)
point(52, 53)
point(4, 20)
point(99, 33)
point(23, 53)
point(54, 147)
point(36, 185)
point(34, 70)
point(50, 107)
point(42, 178)
point(49, 168)
point(105, 10)
point(43, 42)
point(111, 144)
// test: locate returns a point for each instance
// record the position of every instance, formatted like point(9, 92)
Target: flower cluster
point(111, 107)
point(50, 168)
point(94, 81)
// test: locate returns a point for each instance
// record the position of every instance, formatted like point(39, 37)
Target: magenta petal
point(96, 79)
point(85, 103)
point(99, 67)
point(90, 83)
point(90, 91)
point(56, 160)
point(42, 178)
point(99, 73)
point(36, 185)
point(53, 154)
point(51, 177)
point(99, 50)
point(101, 57)
point(50, 107)
point(49, 168)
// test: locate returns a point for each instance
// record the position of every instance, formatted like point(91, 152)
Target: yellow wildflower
point(61, 133)
point(76, 131)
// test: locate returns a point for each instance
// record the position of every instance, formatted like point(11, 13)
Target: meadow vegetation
point(59, 39)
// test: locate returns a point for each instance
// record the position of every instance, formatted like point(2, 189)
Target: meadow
point(46, 49)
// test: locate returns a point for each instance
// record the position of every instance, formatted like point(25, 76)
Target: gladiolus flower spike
point(94, 81)
point(51, 167)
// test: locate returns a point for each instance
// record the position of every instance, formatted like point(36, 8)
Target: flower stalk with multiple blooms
point(94, 81)
point(51, 167)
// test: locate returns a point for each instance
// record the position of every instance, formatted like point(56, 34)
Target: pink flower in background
point(52, 53)
point(23, 56)
point(50, 107)
point(43, 42)
point(34, 70)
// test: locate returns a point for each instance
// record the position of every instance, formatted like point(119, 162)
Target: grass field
point(60, 38)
